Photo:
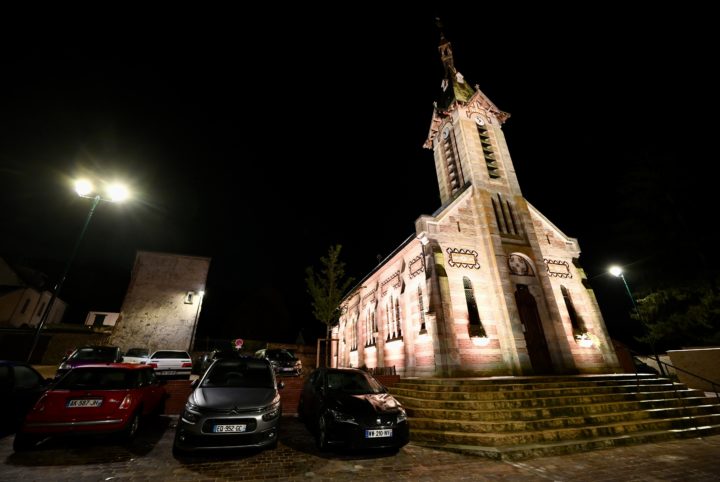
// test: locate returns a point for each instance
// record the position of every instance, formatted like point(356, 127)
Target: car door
point(153, 392)
point(313, 402)
point(28, 385)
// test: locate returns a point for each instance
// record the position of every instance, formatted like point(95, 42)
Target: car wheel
point(24, 442)
point(321, 439)
point(132, 427)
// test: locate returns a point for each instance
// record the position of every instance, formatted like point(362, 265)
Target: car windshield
point(239, 374)
point(353, 383)
point(99, 353)
point(170, 354)
point(98, 379)
point(137, 352)
point(281, 355)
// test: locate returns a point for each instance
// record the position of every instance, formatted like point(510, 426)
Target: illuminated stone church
point(486, 285)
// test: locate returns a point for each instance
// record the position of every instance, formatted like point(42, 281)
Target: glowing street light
point(618, 273)
point(84, 188)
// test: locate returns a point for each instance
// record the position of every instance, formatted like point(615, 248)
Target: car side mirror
point(281, 384)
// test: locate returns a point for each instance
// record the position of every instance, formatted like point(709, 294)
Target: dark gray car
point(235, 404)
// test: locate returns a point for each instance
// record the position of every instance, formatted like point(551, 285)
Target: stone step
point(420, 409)
point(532, 393)
point(482, 385)
point(547, 402)
point(702, 414)
point(517, 452)
point(562, 434)
point(524, 380)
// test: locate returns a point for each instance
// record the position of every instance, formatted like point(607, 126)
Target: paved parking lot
point(149, 457)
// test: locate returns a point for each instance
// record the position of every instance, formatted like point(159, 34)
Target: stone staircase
point(520, 417)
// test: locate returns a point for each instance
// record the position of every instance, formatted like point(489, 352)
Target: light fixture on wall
point(480, 340)
point(584, 340)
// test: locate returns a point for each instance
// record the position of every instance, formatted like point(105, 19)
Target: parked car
point(205, 360)
point(346, 406)
point(93, 399)
point(136, 355)
point(235, 404)
point(175, 364)
point(88, 355)
point(20, 387)
point(283, 361)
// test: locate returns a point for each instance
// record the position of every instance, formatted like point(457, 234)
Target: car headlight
point(273, 411)
point(402, 415)
point(191, 413)
point(342, 417)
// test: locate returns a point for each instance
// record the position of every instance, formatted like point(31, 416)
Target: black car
point(348, 407)
point(20, 387)
point(283, 361)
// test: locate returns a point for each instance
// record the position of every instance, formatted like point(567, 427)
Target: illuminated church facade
point(486, 285)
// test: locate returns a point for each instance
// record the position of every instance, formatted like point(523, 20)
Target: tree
point(681, 316)
point(327, 289)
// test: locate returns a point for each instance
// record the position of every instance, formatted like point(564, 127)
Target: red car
point(108, 398)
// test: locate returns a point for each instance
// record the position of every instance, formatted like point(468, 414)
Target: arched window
point(421, 308)
point(578, 326)
point(475, 327)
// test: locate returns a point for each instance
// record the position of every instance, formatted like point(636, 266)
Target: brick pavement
point(150, 458)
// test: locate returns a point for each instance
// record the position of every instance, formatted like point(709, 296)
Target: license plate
point(84, 402)
point(229, 428)
point(385, 432)
point(168, 372)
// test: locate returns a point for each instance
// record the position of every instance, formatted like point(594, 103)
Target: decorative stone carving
point(462, 258)
point(558, 269)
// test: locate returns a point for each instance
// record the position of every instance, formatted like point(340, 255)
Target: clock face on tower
point(479, 120)
point(446, 132)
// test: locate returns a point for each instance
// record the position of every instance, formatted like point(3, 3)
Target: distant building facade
point(486, 285)
point(163, 302)
point(23, 299)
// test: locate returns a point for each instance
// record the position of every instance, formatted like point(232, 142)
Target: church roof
point(454, 87)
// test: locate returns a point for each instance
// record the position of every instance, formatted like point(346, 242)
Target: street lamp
point(84, 188)
point(618, 273)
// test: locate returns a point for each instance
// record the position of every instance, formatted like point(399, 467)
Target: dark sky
point(260, 138)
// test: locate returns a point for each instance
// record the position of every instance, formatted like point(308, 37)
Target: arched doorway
point(534, 334)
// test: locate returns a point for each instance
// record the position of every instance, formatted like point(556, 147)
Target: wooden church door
point(534, 334)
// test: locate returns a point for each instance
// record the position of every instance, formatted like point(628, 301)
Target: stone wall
point(163, 302)
point(704, 362)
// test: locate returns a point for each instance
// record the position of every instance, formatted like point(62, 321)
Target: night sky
point(260, 139)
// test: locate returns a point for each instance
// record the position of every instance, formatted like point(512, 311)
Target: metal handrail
point(682, 400)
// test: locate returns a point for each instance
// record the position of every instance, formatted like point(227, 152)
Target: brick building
point(163, 302)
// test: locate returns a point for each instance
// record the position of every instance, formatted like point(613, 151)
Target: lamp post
point(83, 188)
point(618, 273)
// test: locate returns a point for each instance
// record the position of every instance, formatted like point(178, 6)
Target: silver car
point(235, 404)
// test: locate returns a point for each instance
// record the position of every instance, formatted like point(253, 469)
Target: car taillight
point(125, 404)
point(40, 404)
point(187, 365)
point(151, 364)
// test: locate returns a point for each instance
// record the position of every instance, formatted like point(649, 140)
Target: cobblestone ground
point(150, 458)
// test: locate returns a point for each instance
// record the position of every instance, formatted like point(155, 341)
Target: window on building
point(578, 326)
point(452, 160)
point(488, 153)
point(505, 216)
point(475, 327)
point(421, 308)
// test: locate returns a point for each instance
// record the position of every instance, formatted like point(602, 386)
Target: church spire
point(454, 87)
